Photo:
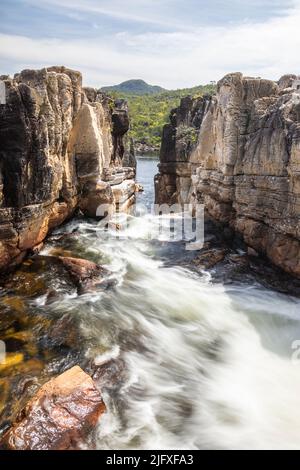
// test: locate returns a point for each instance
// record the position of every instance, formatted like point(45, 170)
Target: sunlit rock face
point(56, 140)
point(60, 415)
point(246, 164)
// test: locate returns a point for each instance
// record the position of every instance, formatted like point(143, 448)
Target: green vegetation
point(148, 113)
point(136, 87)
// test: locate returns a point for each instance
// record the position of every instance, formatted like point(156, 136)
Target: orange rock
point(60, 416)
point(84, 273)
point(53, 169)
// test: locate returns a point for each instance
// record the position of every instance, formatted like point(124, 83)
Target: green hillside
point(135, 87)
point(148, 113)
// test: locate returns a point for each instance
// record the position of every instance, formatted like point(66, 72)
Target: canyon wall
point(173, 182)
point(245, 165)
point(61, 148)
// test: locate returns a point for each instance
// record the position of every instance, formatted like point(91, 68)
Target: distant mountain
point(150, 106)
point(134, 87)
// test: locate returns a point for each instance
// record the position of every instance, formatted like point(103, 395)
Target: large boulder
point(60, 416)
point(85, 274)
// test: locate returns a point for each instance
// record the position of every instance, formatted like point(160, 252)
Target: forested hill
point(136, 87)
point(149, 112)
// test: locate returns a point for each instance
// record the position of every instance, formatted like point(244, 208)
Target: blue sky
point(173, 43)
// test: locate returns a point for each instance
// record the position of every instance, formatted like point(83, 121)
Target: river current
point(194, 364)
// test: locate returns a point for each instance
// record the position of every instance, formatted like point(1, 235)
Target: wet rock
point(63, 332)
point(36, 277)
point(111, 375)
point(37, 248)
point(208, 259)
point(60, 416)
point(52, 296)
point(11, 360)
point(139, 188)
point(251, 251)
point(235, 258)
point(96, 195)
point(86, 275)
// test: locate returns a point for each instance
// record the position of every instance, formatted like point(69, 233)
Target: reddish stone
point(85, 274)
point(60, 416)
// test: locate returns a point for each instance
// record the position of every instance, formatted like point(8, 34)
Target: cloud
point(139, 11)
point(172, 59)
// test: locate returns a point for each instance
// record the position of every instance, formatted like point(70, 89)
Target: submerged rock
point(86, 275)
point(60, 416)
point(208, 259)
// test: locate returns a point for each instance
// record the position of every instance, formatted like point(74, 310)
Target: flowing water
point(191, 363)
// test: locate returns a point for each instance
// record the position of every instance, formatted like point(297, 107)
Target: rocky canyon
point(115, 335)
point(238, 153)
point(61, 150)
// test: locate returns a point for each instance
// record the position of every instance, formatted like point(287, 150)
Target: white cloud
point(176, 59)
point(139, 11)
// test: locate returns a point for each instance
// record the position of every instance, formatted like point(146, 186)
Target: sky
point(171, 43)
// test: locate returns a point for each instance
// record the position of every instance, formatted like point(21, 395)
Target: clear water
point(197, 364)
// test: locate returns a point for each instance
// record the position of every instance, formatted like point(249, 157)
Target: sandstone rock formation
point(56, 140)
point(173, 183)
point(60, 415)
point(129, 159)
point(246, 164)
point(120, 122)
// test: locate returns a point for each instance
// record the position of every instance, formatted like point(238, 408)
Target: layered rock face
point(173, 182)
point(246, 164)
point(57, 140)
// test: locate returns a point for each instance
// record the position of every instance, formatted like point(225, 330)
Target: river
point(192, 363)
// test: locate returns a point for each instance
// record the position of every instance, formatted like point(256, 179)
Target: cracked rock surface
point(56, 140)
point(244, 164)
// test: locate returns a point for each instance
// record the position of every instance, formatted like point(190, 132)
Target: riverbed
point(186, 360)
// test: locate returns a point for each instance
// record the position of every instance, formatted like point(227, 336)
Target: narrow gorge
point(118, 339)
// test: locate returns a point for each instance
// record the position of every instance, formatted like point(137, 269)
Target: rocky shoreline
point(51, 390)
point(145, 149)
point(238, 153)
point(62, 148)
point(64, 152)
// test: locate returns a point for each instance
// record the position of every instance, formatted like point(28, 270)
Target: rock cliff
point(179, 138)
point(60, 146)
point(245, 165)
